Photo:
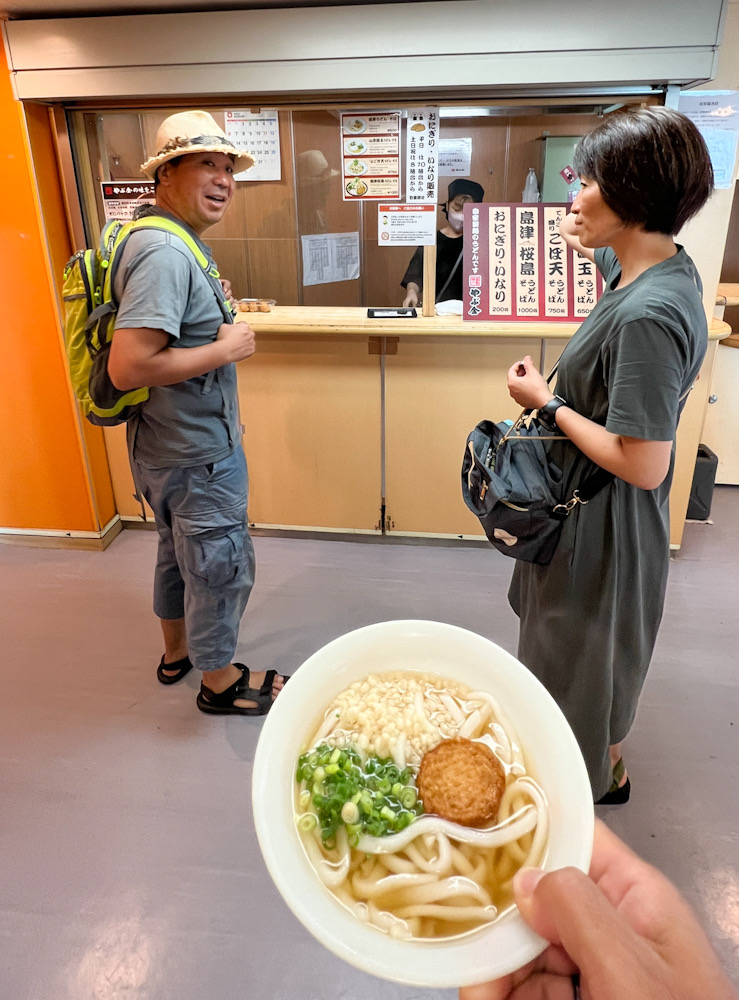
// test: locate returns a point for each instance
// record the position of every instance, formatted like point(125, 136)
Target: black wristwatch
point(547, 413)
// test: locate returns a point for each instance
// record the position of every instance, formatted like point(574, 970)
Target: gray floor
point(130, 867)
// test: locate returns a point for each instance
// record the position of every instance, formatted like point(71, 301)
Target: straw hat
point(313, 166)
point(192, 132)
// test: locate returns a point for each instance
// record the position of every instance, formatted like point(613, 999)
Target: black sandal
point(223, 703)
point(617, 794)
point(182, 667)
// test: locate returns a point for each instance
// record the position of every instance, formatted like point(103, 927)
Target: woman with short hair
point(589, 620)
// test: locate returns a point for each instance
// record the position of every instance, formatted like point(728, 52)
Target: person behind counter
point(449, 248)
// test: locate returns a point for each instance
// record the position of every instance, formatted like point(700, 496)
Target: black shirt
point(448, 252)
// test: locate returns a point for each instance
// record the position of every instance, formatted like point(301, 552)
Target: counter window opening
point(269, 243)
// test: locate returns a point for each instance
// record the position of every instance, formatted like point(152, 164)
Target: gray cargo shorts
point(205, 560)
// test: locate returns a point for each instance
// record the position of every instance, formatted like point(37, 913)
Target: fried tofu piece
point(462, 781)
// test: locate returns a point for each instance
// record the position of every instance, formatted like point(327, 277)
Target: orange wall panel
point(44, 483)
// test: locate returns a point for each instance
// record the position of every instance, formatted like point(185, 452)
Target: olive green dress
point(589, 620)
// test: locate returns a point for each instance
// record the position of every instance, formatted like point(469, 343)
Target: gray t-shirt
point(161, 286)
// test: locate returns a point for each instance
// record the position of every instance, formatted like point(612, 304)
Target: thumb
point(568, 909)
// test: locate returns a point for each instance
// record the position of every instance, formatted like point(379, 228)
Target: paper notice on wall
point(258, 132)
point(455, 157)
point(330, 257)
point(716, 114)
point(406, 225)
point(421, 155)
point(122, 198)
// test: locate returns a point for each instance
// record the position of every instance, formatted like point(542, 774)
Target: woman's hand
point(527, 385)
point(412, 295)
point(626, 930)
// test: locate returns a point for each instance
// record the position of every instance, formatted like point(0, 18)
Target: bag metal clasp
point(563, 509)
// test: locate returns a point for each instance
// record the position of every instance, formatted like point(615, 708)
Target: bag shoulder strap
point(451, 275)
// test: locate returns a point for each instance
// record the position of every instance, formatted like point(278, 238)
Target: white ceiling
point(26, 9)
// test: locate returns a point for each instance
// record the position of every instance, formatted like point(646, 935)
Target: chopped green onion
point(307, 822)
point(408, 797)
point(370, 796)
point(349, 813)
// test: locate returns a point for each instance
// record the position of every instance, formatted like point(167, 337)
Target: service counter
point(358, 425)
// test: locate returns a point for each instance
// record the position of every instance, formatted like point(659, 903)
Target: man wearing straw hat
point(175, 333)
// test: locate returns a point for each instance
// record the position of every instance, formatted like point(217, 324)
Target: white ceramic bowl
point(551, 751)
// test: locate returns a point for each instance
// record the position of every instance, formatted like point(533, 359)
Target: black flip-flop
point(223, 703)
point(181, 667)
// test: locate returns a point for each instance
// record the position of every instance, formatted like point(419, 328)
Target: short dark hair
point(652, 167)
point(174, 161)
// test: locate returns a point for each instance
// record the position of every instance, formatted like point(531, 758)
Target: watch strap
point(546, 413)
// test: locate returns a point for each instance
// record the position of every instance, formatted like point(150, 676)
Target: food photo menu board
point(370, 150)
point(518, 267)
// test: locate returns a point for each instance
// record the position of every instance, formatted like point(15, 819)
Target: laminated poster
point(455, 157)
point(330, 257)
point(421, 155)
point(370, 156)
point(122, 198)
point(406, 225)
point(716, 115)
point(517, 267)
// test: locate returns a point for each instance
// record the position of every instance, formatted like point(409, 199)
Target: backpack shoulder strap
point(166, 225)
point(170, 226)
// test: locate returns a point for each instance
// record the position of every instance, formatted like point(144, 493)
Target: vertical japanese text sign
point(422, 155)
point(518, 267)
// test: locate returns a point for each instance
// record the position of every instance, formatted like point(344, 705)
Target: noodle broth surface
point(433, 879)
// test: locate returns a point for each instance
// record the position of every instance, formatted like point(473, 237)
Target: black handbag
point(510, 482)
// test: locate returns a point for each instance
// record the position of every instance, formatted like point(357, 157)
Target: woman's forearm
point(642, 463)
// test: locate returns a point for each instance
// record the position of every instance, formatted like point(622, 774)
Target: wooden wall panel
point(311, 409)
point(436, 391)
point(526, 146)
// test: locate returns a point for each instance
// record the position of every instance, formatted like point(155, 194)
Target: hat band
point(182, 142)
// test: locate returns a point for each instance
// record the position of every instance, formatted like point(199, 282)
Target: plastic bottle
point(531, 187)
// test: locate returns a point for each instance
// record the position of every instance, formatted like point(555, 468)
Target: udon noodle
point(434, 878)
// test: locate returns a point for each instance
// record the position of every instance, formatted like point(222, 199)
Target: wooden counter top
point(727, 294)
point(314, 320)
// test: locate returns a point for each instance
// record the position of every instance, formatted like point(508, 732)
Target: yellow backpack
point(89, 318)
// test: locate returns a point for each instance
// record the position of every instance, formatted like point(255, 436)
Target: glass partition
point(261, 242)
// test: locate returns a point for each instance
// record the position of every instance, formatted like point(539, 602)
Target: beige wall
point(704, 236)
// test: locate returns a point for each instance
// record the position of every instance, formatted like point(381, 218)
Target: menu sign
point(370, 150)
point(422, 155)
point(518, 267)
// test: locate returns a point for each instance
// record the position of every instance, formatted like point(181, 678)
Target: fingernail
point(526, 880)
